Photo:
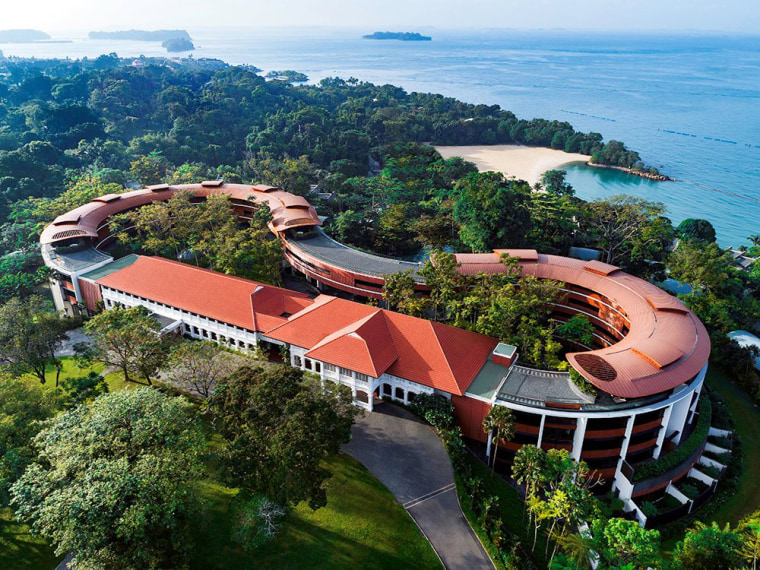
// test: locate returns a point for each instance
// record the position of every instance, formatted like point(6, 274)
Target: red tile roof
point(248, 304)
point(372, 341)
point(340, 332)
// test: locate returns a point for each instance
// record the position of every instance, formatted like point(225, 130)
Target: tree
point(499, 424)
point(578, 328)
point(30, 337)
point(278, 428)
point(624, 543)
point(200, 365)
point(705, 267)
point(751, 541)
point(398, 292)
point(128, 461)
point(23, 406)
point(553, 181)
point(696, 229)
point(492, 211)
point(129, 339)
point(626, 228)
point(709, 548)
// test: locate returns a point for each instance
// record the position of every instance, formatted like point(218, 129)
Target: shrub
point(437, 410)
point(581, 383)
point(710, 471)
point(683, 451)
point(689, 490)
point(649, 509)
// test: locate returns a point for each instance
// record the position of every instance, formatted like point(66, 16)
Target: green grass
point(362, 526)
point(747, 419)
point(71, 369)
point(19, 550)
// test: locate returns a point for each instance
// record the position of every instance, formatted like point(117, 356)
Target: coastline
point(529, 162)
point(639, 173)
point(523, 162)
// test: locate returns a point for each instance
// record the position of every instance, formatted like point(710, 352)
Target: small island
point(174, 45)
point(401, 36)
point(141, 35)
point(22, 36)
point(288, 75)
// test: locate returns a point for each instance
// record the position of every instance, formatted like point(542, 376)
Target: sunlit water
point(688, 104)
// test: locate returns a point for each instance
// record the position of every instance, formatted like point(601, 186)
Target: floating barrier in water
point(590, 116)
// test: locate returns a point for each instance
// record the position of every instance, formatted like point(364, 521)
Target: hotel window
point(317, 367)
point(345, 371)
point(330, 368)
point(307, 364)
point(362, 377)
point(387, 390)
point(297, 361)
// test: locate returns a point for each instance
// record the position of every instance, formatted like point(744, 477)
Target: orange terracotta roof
point(666, 344)
point(365, 346)
point(288, 211)
point(372, 341)
point(228, 299)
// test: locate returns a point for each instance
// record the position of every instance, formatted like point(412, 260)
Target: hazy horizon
point(732, 16)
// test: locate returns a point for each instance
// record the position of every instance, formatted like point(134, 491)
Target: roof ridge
point(443, 352)
point(306, 310)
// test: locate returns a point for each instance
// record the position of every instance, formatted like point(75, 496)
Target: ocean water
point(690, 104)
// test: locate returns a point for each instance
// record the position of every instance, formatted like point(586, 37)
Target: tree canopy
point(134, 483)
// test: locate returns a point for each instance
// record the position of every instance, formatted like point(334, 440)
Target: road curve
point(408, 457)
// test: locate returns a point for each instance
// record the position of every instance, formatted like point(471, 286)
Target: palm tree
point(499, 424)
point(755, 239)
point(528, 468)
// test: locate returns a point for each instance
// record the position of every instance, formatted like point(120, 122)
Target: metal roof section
point(73, 260)
point(109, 268)
point(326, 249)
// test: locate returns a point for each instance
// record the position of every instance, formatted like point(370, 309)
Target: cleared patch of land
point(524, 162)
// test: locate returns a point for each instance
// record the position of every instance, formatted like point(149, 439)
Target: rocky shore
point(639, 173)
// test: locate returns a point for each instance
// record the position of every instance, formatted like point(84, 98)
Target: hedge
point(683, 451)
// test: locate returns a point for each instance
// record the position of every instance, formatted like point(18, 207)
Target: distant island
point(288, 75)
point(22, 36)
point(402, 36)
point(141, 35)
point(173, 45)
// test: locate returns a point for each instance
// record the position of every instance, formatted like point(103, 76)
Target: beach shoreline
point(523, 162)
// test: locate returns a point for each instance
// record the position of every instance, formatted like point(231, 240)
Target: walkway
point(409, 459)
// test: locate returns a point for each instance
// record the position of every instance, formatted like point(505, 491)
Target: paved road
point(407, 456)
point(75, 336)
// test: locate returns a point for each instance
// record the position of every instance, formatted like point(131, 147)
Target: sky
point(195, 15)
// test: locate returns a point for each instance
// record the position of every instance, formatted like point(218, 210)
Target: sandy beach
point(525, 162)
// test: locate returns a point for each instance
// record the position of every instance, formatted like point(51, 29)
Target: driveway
point(75, 336)
point(408, 457)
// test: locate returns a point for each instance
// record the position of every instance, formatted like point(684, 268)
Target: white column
point(541, 431)
point(661, 433)
point(626, 442)
point(488, 444)
point(678, 417)
point(580, 434)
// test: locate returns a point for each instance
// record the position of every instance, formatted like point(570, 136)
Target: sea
point(689, 103)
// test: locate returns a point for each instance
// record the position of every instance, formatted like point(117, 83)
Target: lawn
point(19, 550)
point(71, 369)
point(747, 419)
point(362, 526)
